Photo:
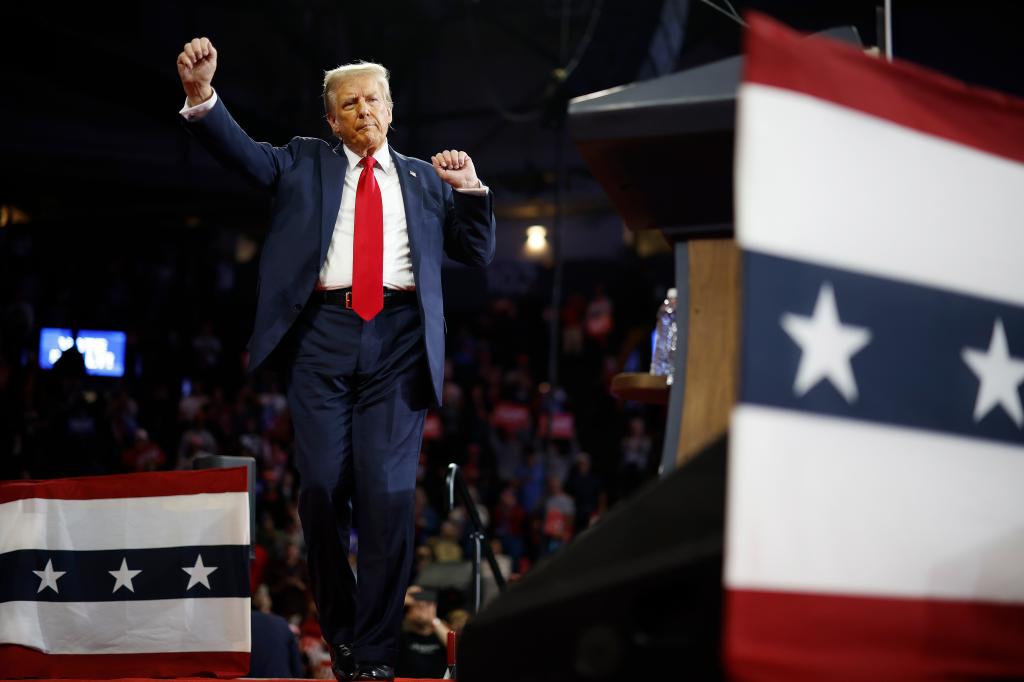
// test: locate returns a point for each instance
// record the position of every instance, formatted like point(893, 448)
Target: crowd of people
point(542, 462)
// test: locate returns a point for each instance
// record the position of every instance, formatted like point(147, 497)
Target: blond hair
point(342, 73)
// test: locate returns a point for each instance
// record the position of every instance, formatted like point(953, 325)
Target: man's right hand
point(196, 66)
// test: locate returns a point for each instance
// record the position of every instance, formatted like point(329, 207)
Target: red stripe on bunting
point(149, 484)
point(19, 661)
point(909, 95)
point(802, 637)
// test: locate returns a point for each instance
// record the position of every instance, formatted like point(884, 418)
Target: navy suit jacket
point(307, 177)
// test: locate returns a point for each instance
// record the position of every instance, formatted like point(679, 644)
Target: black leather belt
point(343, 297)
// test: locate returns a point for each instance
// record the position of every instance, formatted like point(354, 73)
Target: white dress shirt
point(336, 271)
point(337, 268)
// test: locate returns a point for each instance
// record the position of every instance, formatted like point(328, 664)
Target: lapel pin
point(412, 173)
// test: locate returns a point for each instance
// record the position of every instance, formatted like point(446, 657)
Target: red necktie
point(368, 245)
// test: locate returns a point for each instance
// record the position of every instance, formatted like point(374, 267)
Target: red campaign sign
point(558, 525)
point(511, 416)
point(564, 426)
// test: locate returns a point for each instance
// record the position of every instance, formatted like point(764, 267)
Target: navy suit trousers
point(358, 393)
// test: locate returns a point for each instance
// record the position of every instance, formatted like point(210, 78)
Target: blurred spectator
point(490, 583)
point(123, 413)
point(587, 489)
point(459, 514)
point(288, 580)
point(559, 514)
point(193, 398)
point(573, 313)
point(423, 558)
point(508, 453)
point(272, 401)
point(457, 620)
point(196, 441)
point(557, 459)
point(446, 546)
point(636, 451)
point(422, 647)
point(509, 524)
point(530, 479)
point(258, 567)
point(207, 349)
point(275, 650)
point(427, 521)
point(599, 320)
point(143, 454)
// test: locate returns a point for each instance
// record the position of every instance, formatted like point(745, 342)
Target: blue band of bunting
point(909, 365)
point(85, 576)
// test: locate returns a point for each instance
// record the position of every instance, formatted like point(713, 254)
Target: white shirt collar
point(382, 156)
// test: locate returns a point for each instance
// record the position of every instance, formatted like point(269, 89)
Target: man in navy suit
point(350, 293)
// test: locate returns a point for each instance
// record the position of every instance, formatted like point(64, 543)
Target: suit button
point(297, 307)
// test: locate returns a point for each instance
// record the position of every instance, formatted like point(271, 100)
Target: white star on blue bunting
point(826, 346)
point(48, 577)
point(123, 576)
point(999, 377)
point(199, 574)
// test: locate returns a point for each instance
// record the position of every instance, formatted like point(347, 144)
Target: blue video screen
point(103, 351)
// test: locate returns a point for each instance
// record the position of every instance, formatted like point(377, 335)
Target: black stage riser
point(640, 594)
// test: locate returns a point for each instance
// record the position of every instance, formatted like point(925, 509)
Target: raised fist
point(196, 66)
point(455, 168)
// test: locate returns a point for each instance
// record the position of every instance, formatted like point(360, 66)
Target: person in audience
point(559, 516)
point(587, 489)
point(446, 545)
point(275, 650)
point(422, 649)
point(636, 451)
point(509, 524)
point(530, 479)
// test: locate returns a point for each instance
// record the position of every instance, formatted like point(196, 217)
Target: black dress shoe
point(375, 671)
point(343, 662)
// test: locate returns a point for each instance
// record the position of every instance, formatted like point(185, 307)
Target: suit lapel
point(333, 165)
point(412, 197)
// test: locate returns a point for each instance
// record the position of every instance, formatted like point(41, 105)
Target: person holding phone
point(423, 644)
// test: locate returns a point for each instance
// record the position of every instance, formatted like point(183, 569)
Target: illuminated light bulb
point(536, 239)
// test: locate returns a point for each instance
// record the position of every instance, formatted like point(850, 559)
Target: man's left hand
point(455, 168)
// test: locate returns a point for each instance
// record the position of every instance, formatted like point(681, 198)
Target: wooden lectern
point(663, 152)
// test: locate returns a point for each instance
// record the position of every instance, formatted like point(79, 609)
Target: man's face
point(361, 114)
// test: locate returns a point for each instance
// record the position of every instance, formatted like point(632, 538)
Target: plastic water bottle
point(663, 356)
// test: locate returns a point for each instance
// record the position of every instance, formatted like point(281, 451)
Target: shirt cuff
point(480, 191)
point(198, 111)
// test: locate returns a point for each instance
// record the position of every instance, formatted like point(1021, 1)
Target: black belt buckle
point(348, 300)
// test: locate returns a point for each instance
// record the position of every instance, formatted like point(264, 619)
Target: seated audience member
point(446, 545)
point(275, 650)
